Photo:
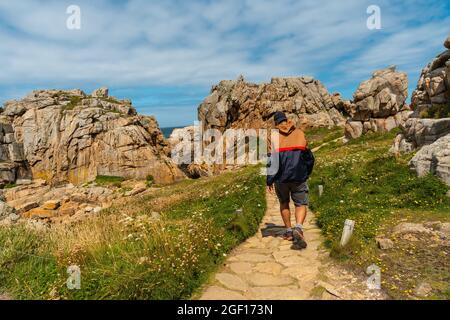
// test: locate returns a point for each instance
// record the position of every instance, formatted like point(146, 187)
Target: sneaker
point(299, 239)
point(288, 235)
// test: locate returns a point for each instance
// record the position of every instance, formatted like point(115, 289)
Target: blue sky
point(166, 55)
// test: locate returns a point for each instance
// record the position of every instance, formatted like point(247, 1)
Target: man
point(290, 166)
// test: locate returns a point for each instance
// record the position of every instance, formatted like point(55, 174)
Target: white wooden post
point(347, 232)
point(320, 190)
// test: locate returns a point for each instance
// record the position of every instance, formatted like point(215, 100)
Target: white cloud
point(140, 42)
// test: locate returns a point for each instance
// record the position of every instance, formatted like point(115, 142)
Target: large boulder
point(13, 165)
point(381, 96)
point(70, 136)
point(184, 140)
point(5, 210)
point(239, 104)
point(379, 104)
point(417, 133)
point(431, 99)
point(447, 42)
point(434, 159)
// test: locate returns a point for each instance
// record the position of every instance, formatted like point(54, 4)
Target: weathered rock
point(51, 205)
point(353, 129)
point(379, 104)
point(27, 207)
point(68, 136)
point(184, 140)
point(431, 98)
point(40, 213)
point(445, 229)
point(435, 225)
point(434, 159)
point(238, 104)
point(417, 133)
point(5, 210)
point(430, 121)
point(101, 93)
point(407, 227)
point(381, 96)
point(447, 42)
point(68, 209)
point(139, 188)
point(384, 244)
point(423, 289)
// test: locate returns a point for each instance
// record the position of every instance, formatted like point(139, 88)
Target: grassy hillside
point(158, 246)
point(363, 182)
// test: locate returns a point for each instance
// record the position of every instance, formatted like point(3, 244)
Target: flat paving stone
point(219, 293)
point(240, 267)
point(253, 257)
point(269, 267)
point(264, 280)
point(277, 293)
point(231, 281)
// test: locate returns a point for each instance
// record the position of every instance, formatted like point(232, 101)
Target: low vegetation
point(162, 245)
point(365, 183)
point(109, 181)
point(319, 136)
point(436, 111)
point(149, 181)
point(74, 101)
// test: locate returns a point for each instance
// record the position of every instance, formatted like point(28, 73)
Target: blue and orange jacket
point(290, 160)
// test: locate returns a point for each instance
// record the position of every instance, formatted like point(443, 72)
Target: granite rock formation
point(239, 104)
point(379, 104)
point(428, 128)
point(70, 136)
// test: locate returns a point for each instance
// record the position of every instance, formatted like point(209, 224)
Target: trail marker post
point(320, 190)
point(347, 232)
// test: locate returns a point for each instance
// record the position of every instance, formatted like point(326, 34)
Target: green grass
point(149, 181)
point(436, 111)
point(74, 101)
point(363, 182)
point(124, 253)
point(9, 185)
point(109, 180)
point(318, 136)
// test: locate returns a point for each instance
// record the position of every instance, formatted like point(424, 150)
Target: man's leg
point(300, 198)
point(282, 191)
point(286, 214)
point(300, 214)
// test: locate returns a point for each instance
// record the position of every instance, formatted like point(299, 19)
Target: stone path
point(268, 269)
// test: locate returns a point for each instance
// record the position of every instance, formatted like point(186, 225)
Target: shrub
point(149, 181)
point(109, 180)
point(125, 253)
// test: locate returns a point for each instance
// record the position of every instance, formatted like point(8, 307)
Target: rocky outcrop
point(417, 133)
point(431, 99)
point(13, 165)
point(429, 125)
point(239, 104)
point(434, 159)
point(71, 136)
point(64, 203)
point(379, 104)
point(185, 139)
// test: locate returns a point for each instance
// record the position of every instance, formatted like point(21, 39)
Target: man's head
point(279, 117)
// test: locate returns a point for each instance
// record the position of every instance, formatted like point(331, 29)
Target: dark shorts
point(297, 191)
